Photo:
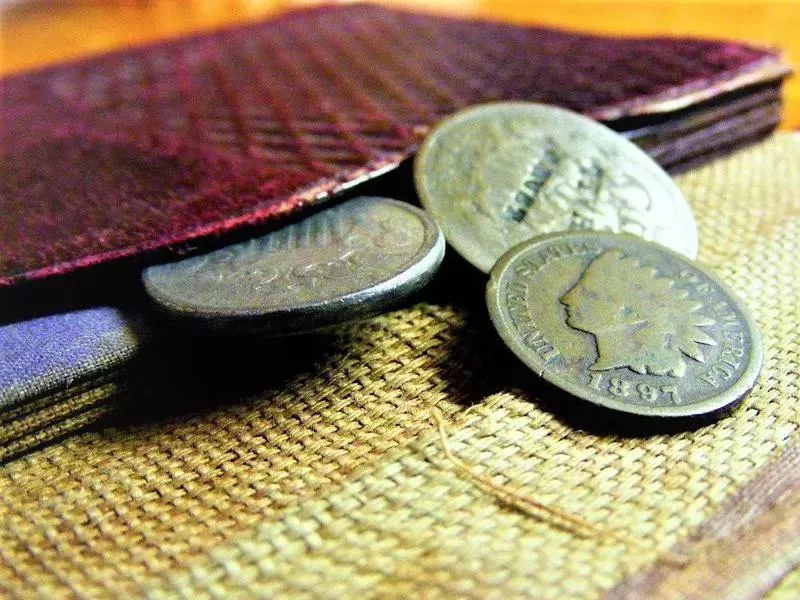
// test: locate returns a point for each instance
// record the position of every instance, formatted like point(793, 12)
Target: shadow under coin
point(110, 284)
point(592, 418)
point(188, 372)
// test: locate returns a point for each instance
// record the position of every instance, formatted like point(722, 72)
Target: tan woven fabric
point(51, 417)
point(788, 589)
point(330, 480)
point(749, 544)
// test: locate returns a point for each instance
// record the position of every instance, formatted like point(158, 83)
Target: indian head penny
point(625, 323)
point(495, 175)
point(346, 262)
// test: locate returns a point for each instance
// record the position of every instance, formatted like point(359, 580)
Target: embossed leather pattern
point(154, 147)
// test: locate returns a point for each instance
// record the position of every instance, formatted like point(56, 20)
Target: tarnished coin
point(496, 175)
point(343, 263)
point(624, 323)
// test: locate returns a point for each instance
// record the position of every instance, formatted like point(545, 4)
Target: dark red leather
point(155, 147)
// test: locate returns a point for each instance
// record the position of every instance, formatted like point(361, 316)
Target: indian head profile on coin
point(497, 174)
point(638, 319)
point(343, 263)
point(625, 323)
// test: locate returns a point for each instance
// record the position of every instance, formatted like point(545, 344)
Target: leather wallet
point(169, 146)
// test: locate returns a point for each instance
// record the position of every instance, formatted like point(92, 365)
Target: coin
point(346, 262)
point(495, 175)
point(624, 323)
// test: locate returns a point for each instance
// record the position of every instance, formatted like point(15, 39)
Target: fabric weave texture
point(314, 469)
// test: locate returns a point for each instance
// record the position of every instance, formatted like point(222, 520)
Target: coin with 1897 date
point(624, 323)
point(346, 262)
point(495, 175)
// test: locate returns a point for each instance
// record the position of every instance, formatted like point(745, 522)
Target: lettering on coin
point(311, 253)
point(498, 174)
point(569, 193)
point(624, 323)
point(533, 338)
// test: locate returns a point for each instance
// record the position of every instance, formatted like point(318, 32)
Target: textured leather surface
point(155, 147)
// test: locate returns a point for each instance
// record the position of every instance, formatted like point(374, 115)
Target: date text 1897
point(623, 388)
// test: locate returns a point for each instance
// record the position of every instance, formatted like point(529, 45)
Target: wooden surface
point(40, 33)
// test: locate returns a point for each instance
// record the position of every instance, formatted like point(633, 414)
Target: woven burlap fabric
point(328, 478)
point(788, 589)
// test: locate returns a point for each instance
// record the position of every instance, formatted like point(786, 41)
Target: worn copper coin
point(498, 174)
point(625, 323)
point(346, 262)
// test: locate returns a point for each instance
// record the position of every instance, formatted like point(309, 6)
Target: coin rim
point(442, 218)
point(312, 316)
point(502, 323)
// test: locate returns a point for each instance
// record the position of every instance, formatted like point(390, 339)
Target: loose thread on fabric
point(533, 508)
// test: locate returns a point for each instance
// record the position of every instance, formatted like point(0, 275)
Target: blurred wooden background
point(42, 32)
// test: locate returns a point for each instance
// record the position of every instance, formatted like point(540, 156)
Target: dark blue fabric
point(49, 354)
